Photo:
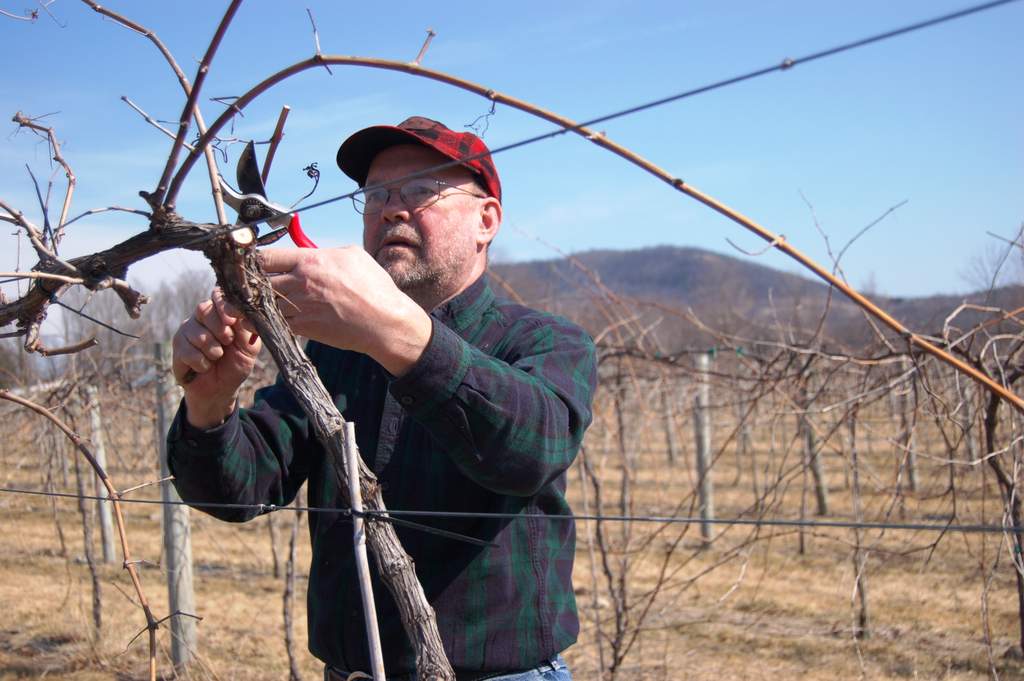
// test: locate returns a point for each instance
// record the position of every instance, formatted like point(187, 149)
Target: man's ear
point(490, 221)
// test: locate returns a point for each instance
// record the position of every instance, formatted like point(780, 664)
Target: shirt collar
point(467, 307)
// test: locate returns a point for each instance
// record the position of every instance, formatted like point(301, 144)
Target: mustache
point(400, 231)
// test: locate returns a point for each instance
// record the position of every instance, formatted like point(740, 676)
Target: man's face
point(431, 253)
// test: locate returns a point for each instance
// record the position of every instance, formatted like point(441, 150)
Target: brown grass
point(750, 606)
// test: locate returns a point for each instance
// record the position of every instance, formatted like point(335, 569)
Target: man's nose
point(394, 209)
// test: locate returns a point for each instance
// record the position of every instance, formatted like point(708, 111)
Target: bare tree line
point(877, 436)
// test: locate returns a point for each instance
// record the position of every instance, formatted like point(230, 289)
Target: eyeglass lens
point(415, 193)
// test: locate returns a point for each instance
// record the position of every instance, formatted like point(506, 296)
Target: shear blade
point(248, 172)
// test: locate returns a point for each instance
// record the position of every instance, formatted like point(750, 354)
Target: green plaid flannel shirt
point(487, 421)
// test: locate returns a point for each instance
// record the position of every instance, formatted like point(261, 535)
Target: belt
point(334, 674)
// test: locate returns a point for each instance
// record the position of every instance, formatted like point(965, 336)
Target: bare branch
point(152, 121)
point(31, 15)
point(145, 484)
point(161, 195)
point(772, 244)
point(867, 227)
point(69, 349)
point(316, 39)
point(48, 259)
point(1012, 242)
point(275, 140)
point(426, 44)
point(94, 211)
point(42, 275)
point(51, 137)
point(46, 8)
point(211, 160)
point(43, 207)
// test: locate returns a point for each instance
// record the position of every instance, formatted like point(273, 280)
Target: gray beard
point(429, 279)
point(424, 284)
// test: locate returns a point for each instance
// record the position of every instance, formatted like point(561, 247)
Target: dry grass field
point(749, 605)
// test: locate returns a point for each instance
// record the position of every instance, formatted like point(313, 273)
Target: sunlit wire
point(672, 520)
point(784, 65)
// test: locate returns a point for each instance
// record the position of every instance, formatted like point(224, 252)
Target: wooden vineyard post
point(90, 561)
point(289, 590)
point(626, 450)
point(702, 434)
point(668, 403)
point(745, 455)
point(906, 408)
point(967, 395)
point(862, 626)
point(104, 514)
point(812, 453)
point(177, 531)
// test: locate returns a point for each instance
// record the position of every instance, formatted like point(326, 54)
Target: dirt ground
point(750, 605)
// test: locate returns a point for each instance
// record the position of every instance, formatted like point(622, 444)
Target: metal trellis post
point(702, 433)
point(99, 451)
point(177, 532)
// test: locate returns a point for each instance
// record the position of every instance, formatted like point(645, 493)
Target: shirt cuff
point(437, 374)
point(186, 439)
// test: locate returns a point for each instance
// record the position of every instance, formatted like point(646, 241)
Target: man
point(461, 402)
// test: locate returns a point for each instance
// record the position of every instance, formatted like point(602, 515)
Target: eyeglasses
point(415, 194)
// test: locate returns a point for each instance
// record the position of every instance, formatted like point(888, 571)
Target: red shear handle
point(297, 235)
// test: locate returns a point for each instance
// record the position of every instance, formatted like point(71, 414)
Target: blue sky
point(932, 118)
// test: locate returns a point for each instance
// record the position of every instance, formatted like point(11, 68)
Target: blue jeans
point(555, 670)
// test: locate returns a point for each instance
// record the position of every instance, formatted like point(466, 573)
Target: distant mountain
point(653, 290)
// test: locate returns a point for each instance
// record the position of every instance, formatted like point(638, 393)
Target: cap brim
point(357, 152)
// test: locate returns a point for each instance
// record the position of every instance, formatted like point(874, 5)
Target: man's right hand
point(220, 347)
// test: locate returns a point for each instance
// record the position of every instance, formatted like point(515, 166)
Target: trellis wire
point(384, 515)
point(784, 65)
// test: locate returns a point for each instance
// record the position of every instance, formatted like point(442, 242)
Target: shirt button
point(191, 443)
point(407, 400)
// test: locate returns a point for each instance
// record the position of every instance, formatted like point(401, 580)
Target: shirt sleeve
point(511, 422)
point(258, 456)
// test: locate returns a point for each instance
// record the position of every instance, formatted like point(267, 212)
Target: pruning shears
point(253, 207)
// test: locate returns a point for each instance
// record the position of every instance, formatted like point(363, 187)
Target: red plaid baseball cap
point(357, 152)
